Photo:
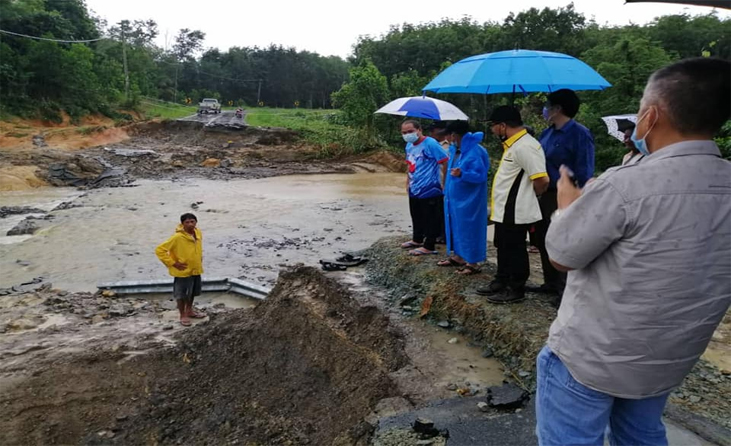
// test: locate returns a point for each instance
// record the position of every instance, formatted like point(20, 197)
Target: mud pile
point(304, 367)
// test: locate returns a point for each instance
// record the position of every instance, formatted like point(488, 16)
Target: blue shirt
point(423, 160)
point(573, 146)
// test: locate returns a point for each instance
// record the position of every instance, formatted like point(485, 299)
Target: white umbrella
point(617, 125)
point(424, 107)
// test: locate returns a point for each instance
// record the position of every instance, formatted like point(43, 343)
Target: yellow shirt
point(183, 248)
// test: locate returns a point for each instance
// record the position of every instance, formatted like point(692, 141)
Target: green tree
point(365, 91)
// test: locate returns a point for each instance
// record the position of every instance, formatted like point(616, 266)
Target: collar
point(569, 125)
point(685, 148)
point(512, 140)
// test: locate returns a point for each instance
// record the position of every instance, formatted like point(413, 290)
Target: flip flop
point(410, 244)
point(417, 253)
point(449, 262)
point(329, 266)
point(197, 315)
point(185, 323)
point(469, 270)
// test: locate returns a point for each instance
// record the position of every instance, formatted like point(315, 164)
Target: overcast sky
point(331, 27)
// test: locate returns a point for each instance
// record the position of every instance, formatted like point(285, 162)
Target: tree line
point(401, 62)
point(122, 64)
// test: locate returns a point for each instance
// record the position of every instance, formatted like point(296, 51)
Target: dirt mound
point(304, 367)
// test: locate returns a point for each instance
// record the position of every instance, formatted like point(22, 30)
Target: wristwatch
point(556, 213)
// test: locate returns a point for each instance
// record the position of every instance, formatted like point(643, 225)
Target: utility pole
point(124, 63)
point(258, 94)
point(175, 94)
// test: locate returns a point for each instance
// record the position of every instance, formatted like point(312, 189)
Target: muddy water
point(250, 227)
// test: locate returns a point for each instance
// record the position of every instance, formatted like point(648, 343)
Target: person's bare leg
point(183, 309)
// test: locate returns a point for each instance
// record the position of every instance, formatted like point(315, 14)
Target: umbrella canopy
point(617, 125)
point(517, 71)
point(424, 107)
point(726, 4)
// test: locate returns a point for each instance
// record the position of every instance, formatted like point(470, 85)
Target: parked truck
point(209, 105)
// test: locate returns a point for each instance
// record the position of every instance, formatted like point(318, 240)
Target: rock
point(453, 341)
point(121, 417)
point(428, 441)
point(726, 372)
point(97, 319)
point(19, 210)
point(105, 434)
point(425, 427)
point(507, 396)
point(109, 293)
point(407, 300)
point(226, 162)
point(488, 353)
point(178, 163)
point(25, 227)
point(523, 374)
point(22, 262)
point(483, 406)
point(695, 399)
point(452, 386)
point(211, 162)
point(444, 324)
point(22, 324)
point(167, 327)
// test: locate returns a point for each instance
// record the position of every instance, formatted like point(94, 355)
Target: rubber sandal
point(410, 244)
point(329, 266)
point(417, 253)
point(469, 270)
point(185, 323)
point(449, 262)
point(197, 315)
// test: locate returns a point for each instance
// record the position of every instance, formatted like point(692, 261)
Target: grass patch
point(321, 128)
point(166, 111)
point(16, 135)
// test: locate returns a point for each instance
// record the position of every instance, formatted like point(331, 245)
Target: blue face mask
point(640, 144)
point(411, 137)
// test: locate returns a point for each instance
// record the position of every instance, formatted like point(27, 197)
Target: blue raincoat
point(465, 200)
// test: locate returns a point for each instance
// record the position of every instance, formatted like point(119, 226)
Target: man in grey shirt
point(648, 247)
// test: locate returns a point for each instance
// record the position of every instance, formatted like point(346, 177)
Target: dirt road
point(225, 119)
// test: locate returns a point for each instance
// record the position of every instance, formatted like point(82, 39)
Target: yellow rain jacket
point(181, 247)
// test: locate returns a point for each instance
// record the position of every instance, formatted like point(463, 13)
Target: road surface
point(226, 118)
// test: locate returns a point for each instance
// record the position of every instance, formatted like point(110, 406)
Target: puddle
point(462, 362)
point(250, 227)
point(205, 300)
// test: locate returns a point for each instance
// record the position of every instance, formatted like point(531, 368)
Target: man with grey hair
point(648, 251)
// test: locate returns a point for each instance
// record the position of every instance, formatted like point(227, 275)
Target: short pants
point(186, 288)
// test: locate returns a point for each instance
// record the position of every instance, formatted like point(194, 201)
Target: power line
point(50, 40)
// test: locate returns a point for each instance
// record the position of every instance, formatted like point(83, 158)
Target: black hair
point(531, 131)
point(695, 94)
point(459, 127)
point(567, 100)
point(416, 124)
point(187, 216)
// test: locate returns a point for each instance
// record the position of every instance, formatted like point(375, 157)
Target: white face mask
point(411, 137)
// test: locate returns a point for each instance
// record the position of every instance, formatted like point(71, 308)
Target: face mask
point(411, 137)
point(640, 144)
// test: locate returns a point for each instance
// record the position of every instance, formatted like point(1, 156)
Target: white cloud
point(332, 27)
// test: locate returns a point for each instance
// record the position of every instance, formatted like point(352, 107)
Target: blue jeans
point(570, 413)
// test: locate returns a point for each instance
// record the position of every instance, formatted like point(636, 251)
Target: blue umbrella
point(517, 71)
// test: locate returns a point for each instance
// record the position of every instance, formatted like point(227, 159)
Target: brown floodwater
point(250, 227)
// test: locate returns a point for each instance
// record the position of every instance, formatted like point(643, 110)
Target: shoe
point(508, 296)
point(493, 287)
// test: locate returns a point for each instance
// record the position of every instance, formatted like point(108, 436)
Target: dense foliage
point(46, 77)
point(125, 66)
point(408, 56)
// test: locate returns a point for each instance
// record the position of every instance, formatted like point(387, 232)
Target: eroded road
point(225, 119)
